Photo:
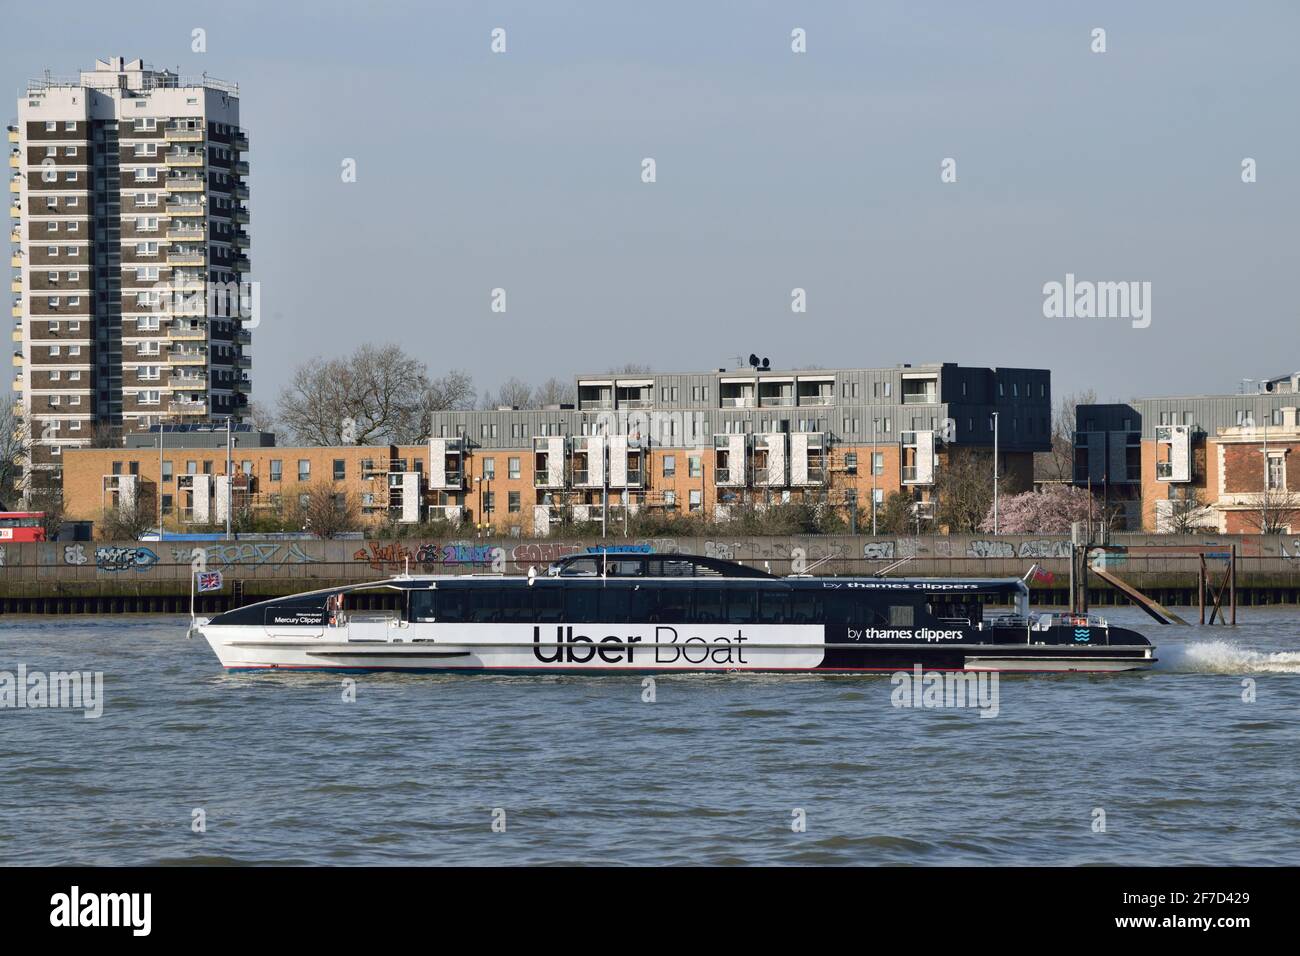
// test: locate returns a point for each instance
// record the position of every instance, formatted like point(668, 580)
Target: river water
point(717, 769)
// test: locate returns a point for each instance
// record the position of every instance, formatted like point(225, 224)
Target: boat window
point(581, 604)
point(615, 605)
point(548, 604)
point(805, 608)
point(670, 605)
point(583, 567)
point(624, 567)
point(901, 615)
point(708, 606)
point(740, 605)
point(451, 604)
point(773, 607)
point(485, 605)
point(422, 606)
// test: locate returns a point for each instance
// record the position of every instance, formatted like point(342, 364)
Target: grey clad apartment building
point(706, 442)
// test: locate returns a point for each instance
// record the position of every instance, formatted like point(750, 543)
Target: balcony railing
point(909, 472)
point(184, 158)
point(920, 398)
point(743, 401)
point(183, 134)
point(178, 184)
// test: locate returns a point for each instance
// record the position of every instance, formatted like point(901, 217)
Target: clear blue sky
point(775, 170)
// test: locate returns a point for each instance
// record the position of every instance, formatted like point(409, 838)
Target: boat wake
point(1225, 657)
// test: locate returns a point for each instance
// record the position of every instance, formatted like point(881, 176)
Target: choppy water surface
point(586, 772)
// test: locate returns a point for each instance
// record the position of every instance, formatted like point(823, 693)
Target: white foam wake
point(1225, 657)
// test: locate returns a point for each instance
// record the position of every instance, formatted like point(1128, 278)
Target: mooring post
point(1201, 588)
point(1232, 584)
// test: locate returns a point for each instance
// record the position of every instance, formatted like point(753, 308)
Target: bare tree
point(513, 393)
point(325, 512)
point(125, 523)
point(14, 449)
point(555, 391)
point(964, 487)
point(1186, 513)
point(1061, 464)
point(376, 395)
point(261, 417)
point(1274, 511)
point(49, 502)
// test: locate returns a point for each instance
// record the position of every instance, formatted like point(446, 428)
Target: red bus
point(22, 526)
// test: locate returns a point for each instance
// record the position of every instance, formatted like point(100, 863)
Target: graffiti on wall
point(253, 554)
point(115, 558)
point(397, 556)
point(981, 548)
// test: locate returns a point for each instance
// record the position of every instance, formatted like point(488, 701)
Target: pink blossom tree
point(1049, 511)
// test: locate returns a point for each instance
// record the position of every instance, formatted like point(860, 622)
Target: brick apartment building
point(1213, 462)
point(696, 443)
point(128, 191)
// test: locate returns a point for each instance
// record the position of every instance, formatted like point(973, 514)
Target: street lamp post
point(995, 472)
point(230, 478)
point(871, 463)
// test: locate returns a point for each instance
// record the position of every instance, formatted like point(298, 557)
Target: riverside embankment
point(154, 576)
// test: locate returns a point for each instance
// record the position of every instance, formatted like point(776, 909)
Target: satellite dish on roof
point(766, 363)
point(753, 360)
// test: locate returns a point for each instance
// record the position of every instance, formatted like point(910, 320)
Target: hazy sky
point(775, 170)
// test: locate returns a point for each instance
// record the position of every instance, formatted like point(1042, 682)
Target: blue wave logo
point(1082, 635)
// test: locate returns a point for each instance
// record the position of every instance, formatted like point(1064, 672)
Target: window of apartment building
point(167, 504)
point(513, 502)
point(695, 466)
point(489, 502)
point(1276, 472)
point(340, 469)
point(277, 469)
point(696, 500)
point(191, 467)
point(489, 468)
point(879, 495)
point(116, 468)
point(512, 467)
point(1275, 418)
point(207, 467)
point(133, 468)
point(851, 463)
point(670, 466)
point(304, 469)
point(877, 462)
point(166, 470)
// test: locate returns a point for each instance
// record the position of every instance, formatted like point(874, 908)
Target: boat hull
point(739, 649)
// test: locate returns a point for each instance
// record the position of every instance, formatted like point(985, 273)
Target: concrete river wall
point(154, 576)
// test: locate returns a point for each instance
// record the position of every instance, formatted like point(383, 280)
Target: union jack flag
point(209, 581)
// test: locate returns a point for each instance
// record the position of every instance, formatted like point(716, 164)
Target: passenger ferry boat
point(666, 613)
